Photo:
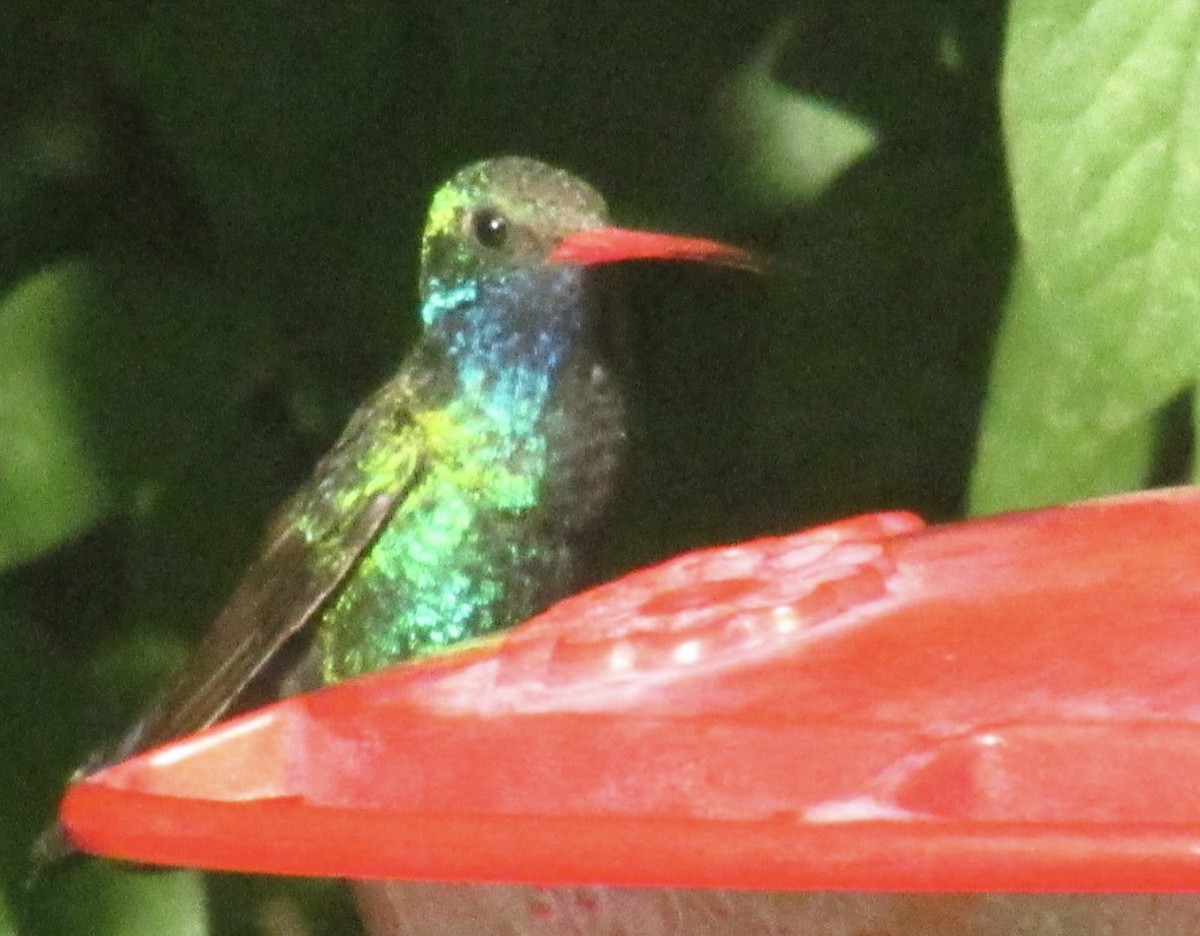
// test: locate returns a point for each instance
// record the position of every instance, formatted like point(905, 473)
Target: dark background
point(209, 219)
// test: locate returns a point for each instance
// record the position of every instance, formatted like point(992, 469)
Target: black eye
point(490, 227)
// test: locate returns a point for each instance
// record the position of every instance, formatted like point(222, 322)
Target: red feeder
point(1005, 704)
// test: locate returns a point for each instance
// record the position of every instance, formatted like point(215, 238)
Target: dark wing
point(312, 545)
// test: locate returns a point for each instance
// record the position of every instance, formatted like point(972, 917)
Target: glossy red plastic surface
point(1005, 704)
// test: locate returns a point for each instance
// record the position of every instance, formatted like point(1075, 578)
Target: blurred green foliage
point(209, 215)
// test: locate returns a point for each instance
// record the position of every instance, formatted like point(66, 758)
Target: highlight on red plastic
point(1005, 704)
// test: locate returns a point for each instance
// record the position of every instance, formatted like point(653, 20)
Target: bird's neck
point(507, 340)
point(523, 383)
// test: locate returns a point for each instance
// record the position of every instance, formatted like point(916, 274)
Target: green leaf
point(1038, 445)
point(790, 146)
point(1101, 108)
point(51, 485)
point(103, 898)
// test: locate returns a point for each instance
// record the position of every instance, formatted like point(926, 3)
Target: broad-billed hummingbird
point(461, 496)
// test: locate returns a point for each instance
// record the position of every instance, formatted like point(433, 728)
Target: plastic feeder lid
point(1004, 704)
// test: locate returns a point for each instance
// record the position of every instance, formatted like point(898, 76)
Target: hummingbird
point(462, 497)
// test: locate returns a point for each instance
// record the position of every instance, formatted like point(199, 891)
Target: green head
point(496, 216)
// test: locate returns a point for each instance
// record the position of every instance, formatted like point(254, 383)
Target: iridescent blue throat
point(507, 336)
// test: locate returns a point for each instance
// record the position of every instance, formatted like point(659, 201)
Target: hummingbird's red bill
point(612, 245)
point(1008, 704)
